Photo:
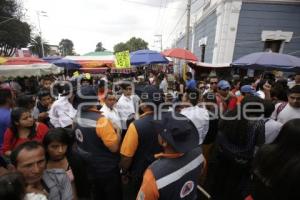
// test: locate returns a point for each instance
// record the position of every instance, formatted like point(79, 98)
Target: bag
point(280, 108)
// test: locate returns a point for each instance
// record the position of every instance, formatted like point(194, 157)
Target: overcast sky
point(87, 22)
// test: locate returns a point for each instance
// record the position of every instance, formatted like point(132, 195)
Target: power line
point(162, 21)
point(175, 27)
point(159, 13)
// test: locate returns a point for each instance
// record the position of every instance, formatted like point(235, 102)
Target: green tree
point(8, 8)
point(120, 47)
point(99, 47)
point(66, 47)
point(36, 46)
point(13, 32)
point(133, 44)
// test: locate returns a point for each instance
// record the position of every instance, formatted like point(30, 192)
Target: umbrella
point(99, 53)
point(180, 53)
point(29, 70)
point(23, 60)
point(147, 57)
point(268, 61)
point(66, 63)
point(51, 59)
point(2, 60)
point(93, 61)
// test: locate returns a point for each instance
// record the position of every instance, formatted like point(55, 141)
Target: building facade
point(225, 30)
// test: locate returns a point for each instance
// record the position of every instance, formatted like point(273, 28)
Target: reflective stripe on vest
point(171, 178)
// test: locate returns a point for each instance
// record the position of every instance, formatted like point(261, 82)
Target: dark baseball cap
point(87, 94)
point(178, 131)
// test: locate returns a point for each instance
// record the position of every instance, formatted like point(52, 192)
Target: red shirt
point(230, 104)
point(10, 143)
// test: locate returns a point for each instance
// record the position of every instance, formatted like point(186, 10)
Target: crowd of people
point(85, 138)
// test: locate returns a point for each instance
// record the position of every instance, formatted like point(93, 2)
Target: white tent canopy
point(40, 69)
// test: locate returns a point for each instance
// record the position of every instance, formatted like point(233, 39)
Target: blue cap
point(248, 89)
point(223, 85)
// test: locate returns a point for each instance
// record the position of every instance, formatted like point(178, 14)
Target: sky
point(87, 22)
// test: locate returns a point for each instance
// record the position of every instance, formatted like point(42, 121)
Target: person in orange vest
point(174, 175)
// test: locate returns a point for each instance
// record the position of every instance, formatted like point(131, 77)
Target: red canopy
point(180, 53)
point(23, 61)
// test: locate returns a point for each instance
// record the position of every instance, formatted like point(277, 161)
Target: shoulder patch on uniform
point(187, 189)
point(141, 196)
point(79, 135)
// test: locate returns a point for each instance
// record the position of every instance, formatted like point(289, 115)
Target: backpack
point(280, 108)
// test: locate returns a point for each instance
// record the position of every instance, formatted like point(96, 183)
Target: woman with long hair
point(57, 145)
point(23, 128)
point(276, 168)
point(60, 155)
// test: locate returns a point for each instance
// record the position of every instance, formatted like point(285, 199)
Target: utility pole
point(44, 15)
point(160, 41)
point(188, 21)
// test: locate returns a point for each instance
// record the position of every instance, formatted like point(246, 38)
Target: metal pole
point(161, 44)
point(160, 41)
point(38, 15)
point(188, 24)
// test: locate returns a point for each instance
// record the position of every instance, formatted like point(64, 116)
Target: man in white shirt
point(197, 115)
point(287, 111)
point(272, 127)
point(110, 111)
point(62, 112)
point(126, 105)
point(164, 84)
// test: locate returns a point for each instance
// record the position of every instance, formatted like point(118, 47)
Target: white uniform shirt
point(272, 129)
point(125, 107)
point(261, 94)
point(200, 119)
point(286, 114)
point(62, 113)
point(164, 86)
point(112, 114)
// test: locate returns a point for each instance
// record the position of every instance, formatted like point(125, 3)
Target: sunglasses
point(213, 83)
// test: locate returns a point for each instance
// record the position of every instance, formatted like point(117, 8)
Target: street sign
point(123, 59)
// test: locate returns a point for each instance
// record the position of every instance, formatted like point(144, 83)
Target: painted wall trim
point(226, 31)
point(276, 35)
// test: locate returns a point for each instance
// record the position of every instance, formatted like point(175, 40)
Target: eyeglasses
point(213, 83)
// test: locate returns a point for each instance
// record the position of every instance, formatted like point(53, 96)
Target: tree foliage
point(66, 47)
point(133, 44)
point(36, 46)
point(120, 47)
point(13, 32)
point(99, 47)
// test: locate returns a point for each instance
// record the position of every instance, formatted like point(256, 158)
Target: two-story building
point(225, 30)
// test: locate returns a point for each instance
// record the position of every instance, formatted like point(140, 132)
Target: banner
point(123, 59)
